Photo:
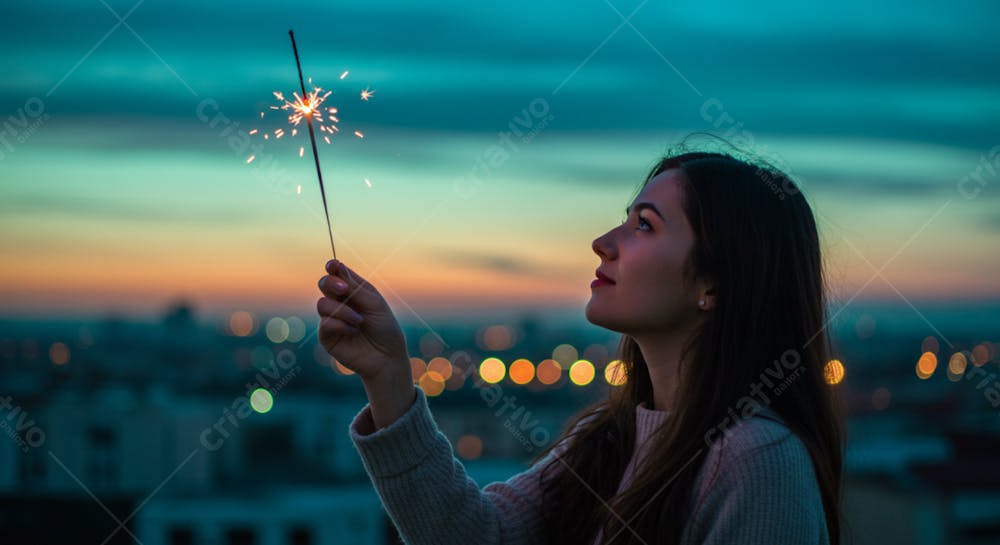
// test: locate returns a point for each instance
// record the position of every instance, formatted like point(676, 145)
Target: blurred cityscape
point(190, 430)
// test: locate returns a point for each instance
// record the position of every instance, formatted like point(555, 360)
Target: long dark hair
point(756, 239)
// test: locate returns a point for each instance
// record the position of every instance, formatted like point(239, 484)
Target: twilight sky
point(501, 140)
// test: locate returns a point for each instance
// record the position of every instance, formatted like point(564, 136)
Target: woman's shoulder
point(759, 470)
point(763, 429)
point(760, 442)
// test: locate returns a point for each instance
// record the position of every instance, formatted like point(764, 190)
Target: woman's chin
point(596, 317)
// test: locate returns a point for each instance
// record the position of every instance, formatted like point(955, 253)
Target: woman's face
point(644, 256)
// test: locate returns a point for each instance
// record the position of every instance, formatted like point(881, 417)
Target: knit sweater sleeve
point(758, 487)
point(427, 493)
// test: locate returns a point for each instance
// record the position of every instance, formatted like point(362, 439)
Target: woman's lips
point(601, 280)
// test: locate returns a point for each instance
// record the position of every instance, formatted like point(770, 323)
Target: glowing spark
point(251, 158)
point(313, 109)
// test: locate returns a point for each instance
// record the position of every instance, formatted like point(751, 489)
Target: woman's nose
point(603, 246)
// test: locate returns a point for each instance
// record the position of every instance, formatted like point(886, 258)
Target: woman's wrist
point(390, 395)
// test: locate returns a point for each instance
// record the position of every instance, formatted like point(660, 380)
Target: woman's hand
point(357, 328)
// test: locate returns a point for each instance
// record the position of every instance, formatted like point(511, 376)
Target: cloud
point(126, 212)
point(491, 262)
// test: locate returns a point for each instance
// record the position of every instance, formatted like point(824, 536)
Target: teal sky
point(122, 185)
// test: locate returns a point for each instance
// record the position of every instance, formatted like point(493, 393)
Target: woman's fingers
point(339, 310)
point(336, 326)
point(333, 287)
point(363, 296)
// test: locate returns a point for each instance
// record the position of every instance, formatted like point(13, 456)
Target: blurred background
point(160, 379)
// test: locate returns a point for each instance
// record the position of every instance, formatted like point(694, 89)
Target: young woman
point(725, 431)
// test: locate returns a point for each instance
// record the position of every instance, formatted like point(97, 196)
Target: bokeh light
point(59, 353)
point(565, 354)
point(496, 338)
point(492, 370)
point(833, 372)
point(242, 323)
point(441, 366)
point(432, 383)
point(521, 371)
point(261, 400)
point(548, 372)
point(581, 372)
point(957, 364)
point(469, 447)
point(981, 354)
point(276, 330)
point(926, 365)
point(614, 373)
point(296, 329)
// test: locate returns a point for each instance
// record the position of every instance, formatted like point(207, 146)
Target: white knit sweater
point(757, 486)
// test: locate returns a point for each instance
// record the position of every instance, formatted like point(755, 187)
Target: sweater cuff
point(398, 447)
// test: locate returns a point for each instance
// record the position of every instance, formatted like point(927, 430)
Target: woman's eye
point(644, 222)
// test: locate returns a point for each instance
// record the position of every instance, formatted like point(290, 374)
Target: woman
point(725, 431)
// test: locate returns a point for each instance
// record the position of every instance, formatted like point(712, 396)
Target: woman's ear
point(706, 301)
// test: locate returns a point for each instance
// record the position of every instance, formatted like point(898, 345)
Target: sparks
point(310, 106)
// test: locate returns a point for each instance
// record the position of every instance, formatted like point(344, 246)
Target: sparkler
point(307, 107)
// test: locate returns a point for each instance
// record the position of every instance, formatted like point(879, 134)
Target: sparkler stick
point(310, 108)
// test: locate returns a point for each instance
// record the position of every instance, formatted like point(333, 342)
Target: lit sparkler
point(308, 106)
